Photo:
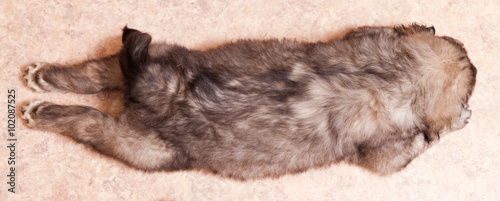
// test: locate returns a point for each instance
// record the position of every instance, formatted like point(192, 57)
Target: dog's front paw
point(33, 75)
point(462, 120)
point(29, 112)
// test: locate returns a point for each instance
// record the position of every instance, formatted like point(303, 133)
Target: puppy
point(377, 98)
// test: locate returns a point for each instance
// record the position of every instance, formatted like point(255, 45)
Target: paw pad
point(32, 76)
point(29, 112)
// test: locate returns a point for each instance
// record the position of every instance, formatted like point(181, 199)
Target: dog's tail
point(134, 53)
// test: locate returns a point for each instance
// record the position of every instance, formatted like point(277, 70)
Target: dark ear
point(431, 30)
point(414, 29)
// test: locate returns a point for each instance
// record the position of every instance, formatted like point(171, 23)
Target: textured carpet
point(464, 166)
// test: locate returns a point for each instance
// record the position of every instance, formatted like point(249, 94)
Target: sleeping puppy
point(377, 97)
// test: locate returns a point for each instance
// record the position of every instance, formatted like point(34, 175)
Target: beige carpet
point(464, 166)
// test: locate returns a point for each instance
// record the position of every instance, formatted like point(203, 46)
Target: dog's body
point(378, 97)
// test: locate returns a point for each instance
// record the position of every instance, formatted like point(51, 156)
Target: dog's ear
point(431, 30)
point(414, 29)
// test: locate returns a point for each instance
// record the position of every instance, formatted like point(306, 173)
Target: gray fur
point(377, 97)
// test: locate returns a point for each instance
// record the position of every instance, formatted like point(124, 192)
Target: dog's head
point(447, 78)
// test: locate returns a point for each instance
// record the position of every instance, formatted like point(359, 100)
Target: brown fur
point(377, 97)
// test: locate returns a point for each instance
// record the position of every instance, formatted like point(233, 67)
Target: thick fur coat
point(377, 97)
